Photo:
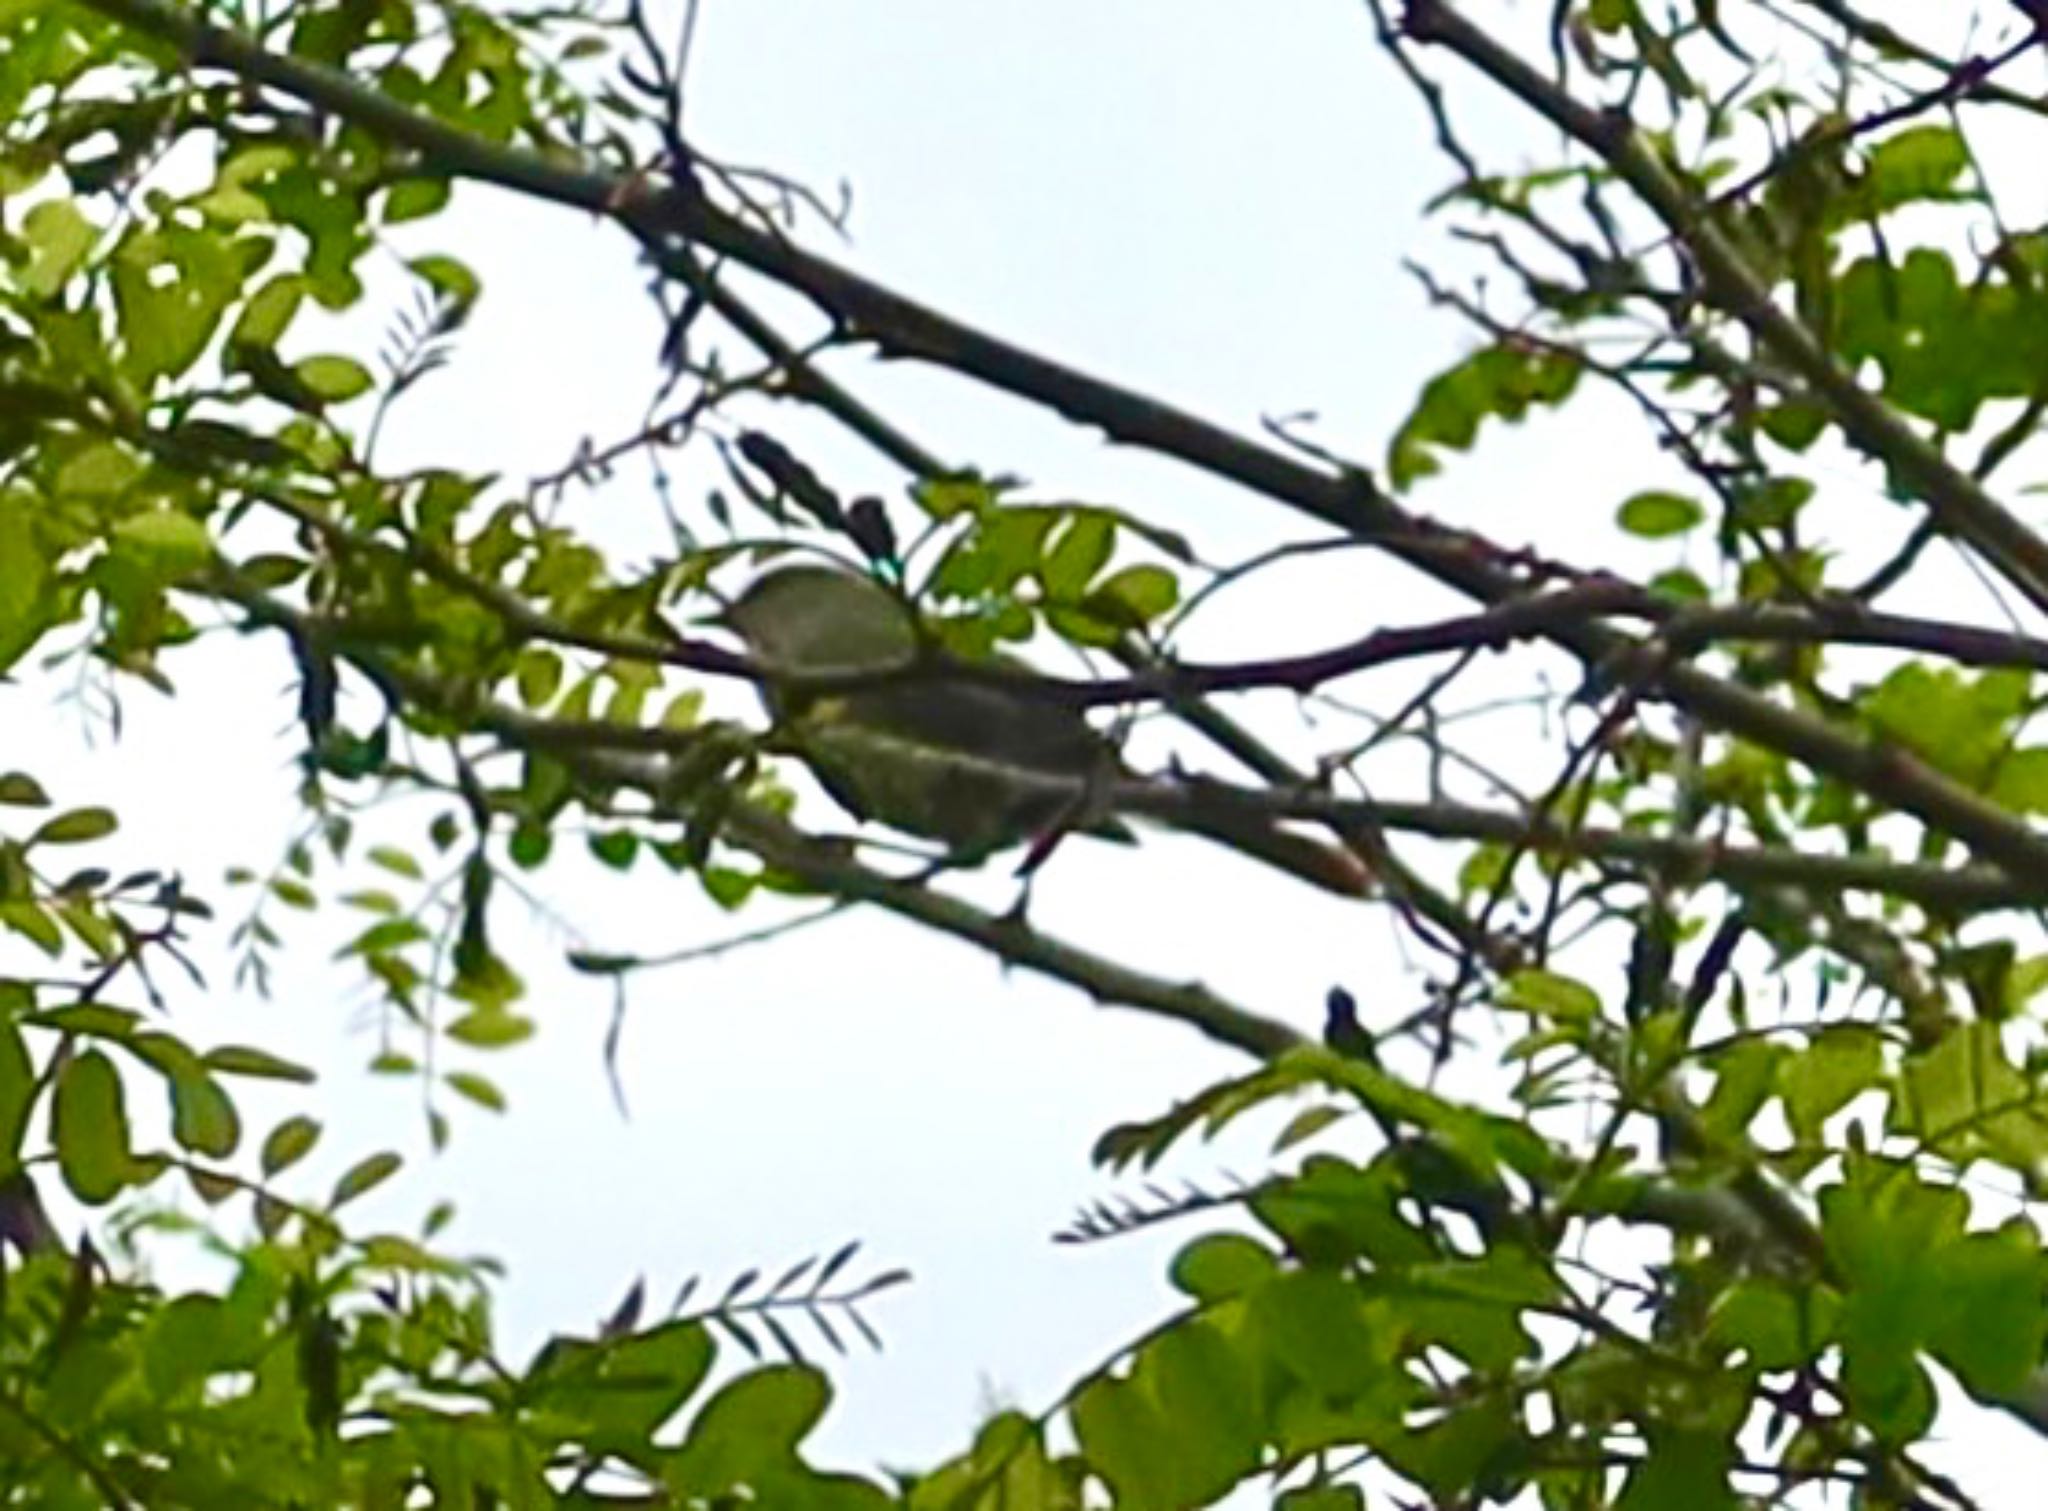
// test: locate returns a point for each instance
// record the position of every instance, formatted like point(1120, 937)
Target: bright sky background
point(1206, 199)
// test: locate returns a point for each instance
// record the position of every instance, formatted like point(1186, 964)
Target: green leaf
point(240, 1060)
point(477, 1089)
point(1942, 348)
point(1218, 1266)
point(1307, 1123)
point(17, 1092)
point(1545, 994)
point(1966, 1094)
point(1082, 549)
point(191, 1338)
point(396, 861)
point(2021, 781)
point(171, 286)
point(1134, 597)
point(363, 1176)
point(102, 470)
point(630, 1387)
point(1474, 1307)
point(1890, 1236)
point(21, 790)
point(1685, 1471)
point(1989, 1322)
point(386, 936)
point(1316, 1324)
point(1775, 1326)
point(538, 673)
point(58, 236)
point(1961, 723)
point(1322, 1498)
point(1793, 425)
point(751, 1426)
point(95, 1019)
point(1920, 162)
point(166, 542)
point(334, 379)
point(288, 1143)
point(267, 313)
point(449, 275)
point(415, 199)
point(203, 1118)
point(490, 1028)
point(1842, 1061)
point(1008, 1469)
point(1500, 382)
point(960, 493)
point(274, 569)
point(1208, 1390)
point(1656, 516)
point(1772, 503)
point(90, 1128)
point(1463, 1450)
point(34, 924)
point(1745, 1073)
point(1125, 1441)
point(26, 600)
point(76, 827)
point(393, 1252)
point(1887, 1388)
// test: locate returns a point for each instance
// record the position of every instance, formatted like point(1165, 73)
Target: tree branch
point(1961, 504)
point(1348, 501)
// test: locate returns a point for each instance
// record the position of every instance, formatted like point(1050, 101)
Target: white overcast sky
point(1207, 199)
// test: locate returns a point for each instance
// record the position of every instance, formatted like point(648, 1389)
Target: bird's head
point(821, 619)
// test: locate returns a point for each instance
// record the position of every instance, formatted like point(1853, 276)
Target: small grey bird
point(962, 760)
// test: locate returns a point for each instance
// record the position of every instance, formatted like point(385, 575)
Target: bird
point(964, 760)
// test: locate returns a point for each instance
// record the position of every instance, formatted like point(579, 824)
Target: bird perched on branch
point(962, 759)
